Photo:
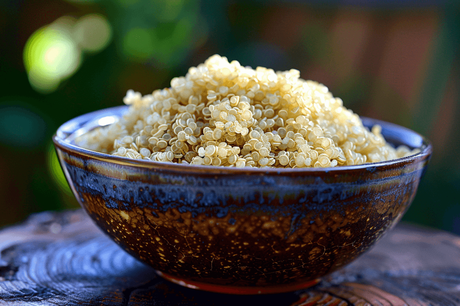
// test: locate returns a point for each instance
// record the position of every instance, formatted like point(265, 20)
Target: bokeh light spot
point(20, 127)
point(51, 55)
point(43, 82)
point(56, 171)
point(171, 40)
point(92, 32)
point(168, 10)
point(138, 44)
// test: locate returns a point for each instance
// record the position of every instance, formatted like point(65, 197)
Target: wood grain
point(63, 259)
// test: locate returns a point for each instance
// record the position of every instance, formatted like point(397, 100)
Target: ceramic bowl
point(240, 230)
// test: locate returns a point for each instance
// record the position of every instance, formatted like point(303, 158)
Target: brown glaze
point(257, 228)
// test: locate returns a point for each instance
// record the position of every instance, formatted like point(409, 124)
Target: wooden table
point(63, 259)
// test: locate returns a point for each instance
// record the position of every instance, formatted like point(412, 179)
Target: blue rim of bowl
point(67, 130)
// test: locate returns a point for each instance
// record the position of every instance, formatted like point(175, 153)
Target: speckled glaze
point(240, 230)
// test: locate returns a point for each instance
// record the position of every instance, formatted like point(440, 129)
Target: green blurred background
point(392, 60)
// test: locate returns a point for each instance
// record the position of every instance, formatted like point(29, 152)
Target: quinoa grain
point(224, 114)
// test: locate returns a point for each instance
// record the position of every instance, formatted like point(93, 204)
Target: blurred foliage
point(393, 60)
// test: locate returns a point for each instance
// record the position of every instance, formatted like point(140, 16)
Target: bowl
point(240, 230)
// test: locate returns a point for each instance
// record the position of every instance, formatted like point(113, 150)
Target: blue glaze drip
point(217, 197)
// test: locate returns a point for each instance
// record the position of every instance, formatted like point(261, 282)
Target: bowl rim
point(59, 140)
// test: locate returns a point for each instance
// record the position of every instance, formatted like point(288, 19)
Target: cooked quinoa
point(224, 114)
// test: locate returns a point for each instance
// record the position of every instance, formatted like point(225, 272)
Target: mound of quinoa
point(223, 114)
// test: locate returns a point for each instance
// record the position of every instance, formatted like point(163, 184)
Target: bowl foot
point(237, 289)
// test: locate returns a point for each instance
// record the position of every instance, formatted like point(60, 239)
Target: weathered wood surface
point(63, 259)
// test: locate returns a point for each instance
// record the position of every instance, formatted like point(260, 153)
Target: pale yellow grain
point(223, 113)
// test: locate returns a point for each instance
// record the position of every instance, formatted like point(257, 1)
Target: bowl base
point(237, 289)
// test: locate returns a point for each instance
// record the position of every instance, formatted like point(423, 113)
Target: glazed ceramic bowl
point(240, 230)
